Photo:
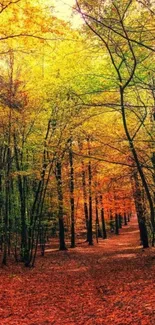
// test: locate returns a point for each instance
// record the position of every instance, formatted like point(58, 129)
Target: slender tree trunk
point(7, 203)
point(116, 224)
point(90, 231)
point(120, 220)
point(85, 202)
point(125, 219)
point(60, 207)
point(21, 187)
point(153, 148)
point(1, 211)
point(104, 233)
point(97, 219)
point(7, 194)
point(85, 199)
point(98, 230)
point(140, 211)
point(72, 196)
point(153, 163)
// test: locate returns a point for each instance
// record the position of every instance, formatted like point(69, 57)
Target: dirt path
point(109, 283)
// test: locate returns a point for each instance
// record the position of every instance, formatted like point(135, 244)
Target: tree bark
point(60, 207)
point(140, 211)
point(125, 219)
point(85, 204)
point(72, 195)
point(90, 231)
point(136, 159)
point(21, 187)
point(116, 224)
point(104, 233)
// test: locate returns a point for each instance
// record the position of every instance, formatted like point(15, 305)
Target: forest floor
point(110, 283)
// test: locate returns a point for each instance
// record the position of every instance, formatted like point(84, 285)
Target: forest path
point(109, 283)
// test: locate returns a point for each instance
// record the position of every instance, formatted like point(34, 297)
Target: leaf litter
point(110, 283)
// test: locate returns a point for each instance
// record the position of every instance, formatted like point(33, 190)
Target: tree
point(111, 26)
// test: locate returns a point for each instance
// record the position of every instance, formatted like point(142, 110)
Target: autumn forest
point(77, 159)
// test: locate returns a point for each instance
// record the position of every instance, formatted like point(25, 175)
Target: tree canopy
point(77, 133)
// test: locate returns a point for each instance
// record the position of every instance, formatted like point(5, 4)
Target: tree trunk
point(153, 163)
point(90, 231)
point(72, 196)
point(120, 221)
point(98, 230)
point(116, 224)
point(60, 207)
point(125, 219)
point(85, 205)
point(21, 187)
point(136, 159)
point(104, 233)
point(140, 211)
